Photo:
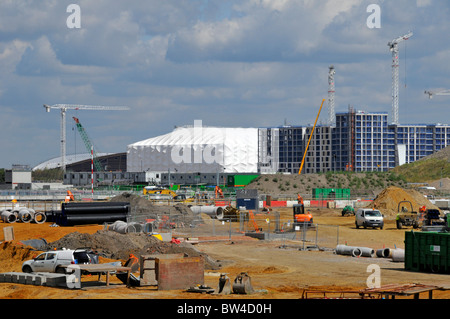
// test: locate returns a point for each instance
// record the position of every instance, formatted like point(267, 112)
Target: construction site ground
point(278, 269)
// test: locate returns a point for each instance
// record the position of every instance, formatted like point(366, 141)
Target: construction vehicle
point(300, 217)
point(348, 210)
point(406, 217)
point(432, 221)
point(165, 193)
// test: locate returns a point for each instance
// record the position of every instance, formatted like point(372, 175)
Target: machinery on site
point(432, 221)
point(300, 217)
point(406, 216)
point(348, 211)
point(163, 193)
point(63, 108)
point(88, 144)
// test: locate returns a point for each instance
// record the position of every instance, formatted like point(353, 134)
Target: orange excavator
point(300, 217)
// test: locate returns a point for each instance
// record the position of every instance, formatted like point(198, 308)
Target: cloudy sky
point(246, 63)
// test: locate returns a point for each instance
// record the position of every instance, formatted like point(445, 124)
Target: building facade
point(359, 142)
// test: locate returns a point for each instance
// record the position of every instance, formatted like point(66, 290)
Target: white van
point(369, 218)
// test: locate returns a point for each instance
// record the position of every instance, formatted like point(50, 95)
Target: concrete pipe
point(211, 211)
point(39, 218)
point(119, 226)
point(367, 252)
point(383, 253)
point(348, 250)
point(134, 228)
point(398, 255)
point(8, 217)
point(25, 216)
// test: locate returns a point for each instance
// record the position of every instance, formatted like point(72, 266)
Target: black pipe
point(72, 214)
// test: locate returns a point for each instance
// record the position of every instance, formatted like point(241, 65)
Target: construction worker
point(299, 199)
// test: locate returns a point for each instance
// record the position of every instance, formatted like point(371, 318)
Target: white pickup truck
point(58, 260)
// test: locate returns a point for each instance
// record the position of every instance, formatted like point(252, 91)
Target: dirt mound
point(114, 245)
point(388, 200)
point(12, 254)
point(142, 208)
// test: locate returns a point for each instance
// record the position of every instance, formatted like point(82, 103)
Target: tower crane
point(63, 108)
point(432, 93)
point(393, 47)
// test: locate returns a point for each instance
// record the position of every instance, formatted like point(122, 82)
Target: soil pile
point(141, 208)
point(388, 200)
point(113, 245)
point(12, 254)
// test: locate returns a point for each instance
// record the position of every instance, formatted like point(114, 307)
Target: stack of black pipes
point(82, 213)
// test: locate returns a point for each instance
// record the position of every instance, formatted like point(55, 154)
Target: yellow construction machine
point(149, 190)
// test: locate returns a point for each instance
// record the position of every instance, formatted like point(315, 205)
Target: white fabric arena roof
point(197, 149)
point(70, 159)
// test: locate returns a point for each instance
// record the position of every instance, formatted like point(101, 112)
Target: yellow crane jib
point(310, 136)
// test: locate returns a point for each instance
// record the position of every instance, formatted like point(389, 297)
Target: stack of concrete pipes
point(212, 211)
point(124, 227)
point(24, 215)
point(397, 255)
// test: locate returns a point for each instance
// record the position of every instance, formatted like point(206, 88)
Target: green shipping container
point(330, 193)
point(240, 180)
point(427, 252)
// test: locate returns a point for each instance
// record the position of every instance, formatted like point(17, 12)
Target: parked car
point(58, 260)
point(369, 218)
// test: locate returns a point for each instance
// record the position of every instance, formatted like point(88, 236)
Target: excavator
point(300, 217)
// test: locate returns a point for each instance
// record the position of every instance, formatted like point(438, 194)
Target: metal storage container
point(427, 252)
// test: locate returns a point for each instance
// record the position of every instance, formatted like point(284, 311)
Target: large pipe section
point(398, 255)
point(383, 253)
point(125, 228)
point(91, 213)
point(348, 250)
point(24, 215)
point(211, 211)
point(354, 251)
point(8, 216)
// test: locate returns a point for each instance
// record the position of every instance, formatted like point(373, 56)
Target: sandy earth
point(278, 269)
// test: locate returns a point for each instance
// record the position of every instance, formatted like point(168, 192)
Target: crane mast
point(393, 47)
point(331, 92)
point(63, 109)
